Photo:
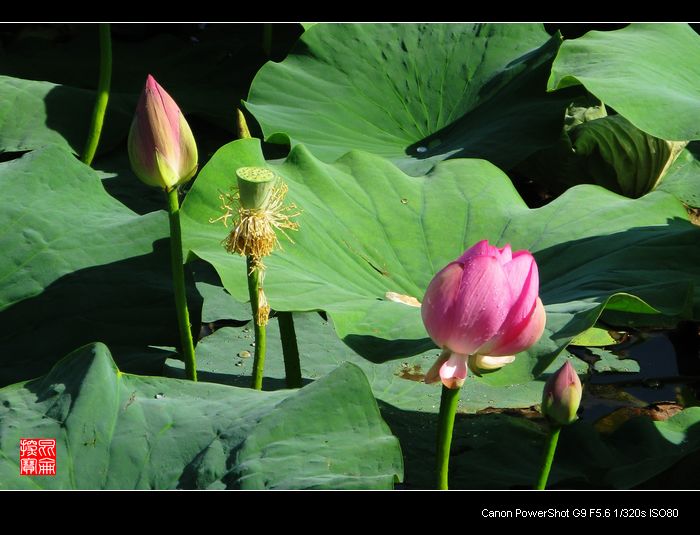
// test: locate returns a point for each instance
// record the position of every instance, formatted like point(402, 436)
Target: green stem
point(98, 112)
point(254, 276)
point(183, 315)
point(548, 456)
point(267, 38)
point(290, 350)
point(446, 423)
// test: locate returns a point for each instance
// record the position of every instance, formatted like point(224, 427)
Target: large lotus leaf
point(683, 178)
point(36, 114)
point(619, 150)
point(77, 266)
point(609, 362)
point(597, 337)
point(658, 446)
point(368, 229)
point(413, 93)
point(226, 357)
point(649, 73)
point(608, 151)
point(115, 430)
point(217, 303)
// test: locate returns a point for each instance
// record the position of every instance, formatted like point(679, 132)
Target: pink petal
point(480, 306)
point(523, 281)
point(521, 337)
point(165, 137)
point(505, 254)
point(165, 103)
point(481, 248)
point(454, 371)
point(523, 276)
point(564, 378)
point(438, 303)
point(433, 374)
point(188, 162)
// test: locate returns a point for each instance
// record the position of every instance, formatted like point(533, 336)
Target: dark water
point(669, 372)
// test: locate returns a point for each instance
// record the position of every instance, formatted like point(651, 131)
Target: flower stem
point(290, 350)
point(551, 448)
point(446, 421)
point(254, 280)
point(267, 38)
point(98, 112)
point(183, 315)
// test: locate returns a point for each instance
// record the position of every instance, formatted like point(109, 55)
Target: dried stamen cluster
point(253, 233)
point(255, 218)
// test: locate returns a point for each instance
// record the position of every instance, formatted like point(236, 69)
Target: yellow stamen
point(254, 231)
point(263, 307)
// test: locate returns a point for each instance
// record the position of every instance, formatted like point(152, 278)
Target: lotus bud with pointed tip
point(162, 149)
point(562, 395)
point(485, 304)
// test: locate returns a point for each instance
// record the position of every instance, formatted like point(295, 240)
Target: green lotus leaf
point(647, 72)
point(78, 266)
point(35, 114)
point(413, 93)
point(608, 151)
point(120, 431)
point(367, 229)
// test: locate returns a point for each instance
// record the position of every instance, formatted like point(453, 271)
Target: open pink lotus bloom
point(562, 395)
point(162, 149)
point(485, 303)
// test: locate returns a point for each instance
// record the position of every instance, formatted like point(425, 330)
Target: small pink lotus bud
point(162, 149)
point(485, 303)
point(562, 395)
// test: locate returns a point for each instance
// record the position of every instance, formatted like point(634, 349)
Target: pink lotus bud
point(485, 303)
point(562, 395)
point(162, 149)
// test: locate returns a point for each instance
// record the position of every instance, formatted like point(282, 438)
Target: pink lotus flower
point(162, 149)
point(562, 395)
point(484, 304)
